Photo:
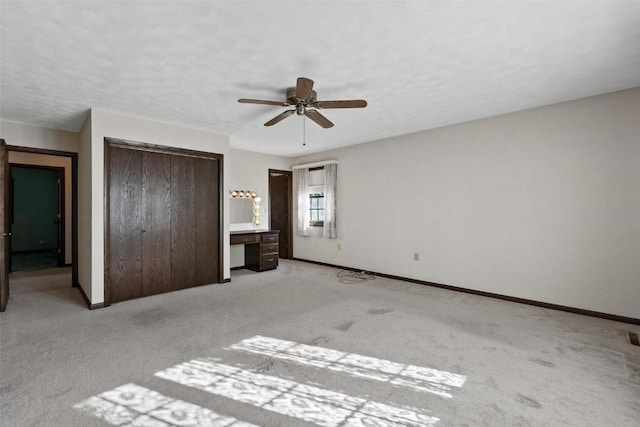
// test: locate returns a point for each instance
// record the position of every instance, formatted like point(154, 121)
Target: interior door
point(5, 234)
point(60, 218)
point(280, 195)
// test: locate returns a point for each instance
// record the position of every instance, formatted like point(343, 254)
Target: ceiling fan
point(304, 102)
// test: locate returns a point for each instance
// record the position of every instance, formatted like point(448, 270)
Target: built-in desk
point(260, 248)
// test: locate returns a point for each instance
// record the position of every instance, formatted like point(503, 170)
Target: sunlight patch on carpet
point(133, 405)
point(309, 403)
point(415, 377)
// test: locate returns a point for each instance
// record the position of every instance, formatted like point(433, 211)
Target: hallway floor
point(34, 260)
point(295, 347)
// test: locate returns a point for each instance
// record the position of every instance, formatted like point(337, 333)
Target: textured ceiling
point(420, 65)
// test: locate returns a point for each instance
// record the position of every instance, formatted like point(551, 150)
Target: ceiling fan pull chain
point(304, 132)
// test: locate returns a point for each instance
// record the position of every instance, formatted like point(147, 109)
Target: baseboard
point(86, 300)
point(227, 280)
point(558, 307)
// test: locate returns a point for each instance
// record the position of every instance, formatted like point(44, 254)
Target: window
point(316, 209)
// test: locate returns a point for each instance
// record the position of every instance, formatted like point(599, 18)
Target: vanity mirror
point(245, 207)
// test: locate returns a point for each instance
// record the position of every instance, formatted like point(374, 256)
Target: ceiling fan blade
point(319, 118)
point(304, 88)
point(351, 103)
point(280, 117)
point(260, 101)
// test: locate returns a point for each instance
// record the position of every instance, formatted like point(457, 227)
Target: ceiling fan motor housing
point(292, 100)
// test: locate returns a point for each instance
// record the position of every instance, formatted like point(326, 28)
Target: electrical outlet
point(416, 256)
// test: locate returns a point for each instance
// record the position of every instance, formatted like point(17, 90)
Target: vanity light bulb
point(253, 194)
point(258, 199)
point(257, 222)
point(234, 193)
point(256, 213)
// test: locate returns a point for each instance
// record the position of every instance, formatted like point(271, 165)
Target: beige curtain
point(330, 185)
point(301, 178)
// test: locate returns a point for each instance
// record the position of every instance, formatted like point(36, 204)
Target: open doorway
point(37, 217)
point(56, 211)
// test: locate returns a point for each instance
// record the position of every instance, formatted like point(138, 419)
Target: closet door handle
point(6, 234)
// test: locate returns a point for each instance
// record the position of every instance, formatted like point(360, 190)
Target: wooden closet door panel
point(183, 222)
point(207, 221)
point(156, 208)
point(125, 224)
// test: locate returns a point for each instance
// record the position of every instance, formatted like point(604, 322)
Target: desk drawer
point(244, 239)
point(269, 248)
point(270, 238)
point(268, 262)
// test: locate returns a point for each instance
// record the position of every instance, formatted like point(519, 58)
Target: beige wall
point(542, 204)
point(22, 135)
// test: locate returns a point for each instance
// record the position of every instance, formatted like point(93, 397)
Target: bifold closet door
point(164, 222)
point(194, 221)
point(125, 224)
point(207, 221)
point(183, 222)
point(156, 227)
point(140, 224)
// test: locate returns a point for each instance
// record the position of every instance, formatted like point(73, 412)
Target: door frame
point(289, 198)
point(4, 293)
point(74, 201)
point(110, 142)
point(5, 235)
point(61, 208)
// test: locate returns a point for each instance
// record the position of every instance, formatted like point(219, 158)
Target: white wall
point(542, 204)
point(109, 124)
point(60, 162)
point(250, 171)
point(22, 135)
point(84, 208)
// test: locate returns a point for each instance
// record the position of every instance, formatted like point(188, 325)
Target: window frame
point(311, 195)
point(318, 223)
